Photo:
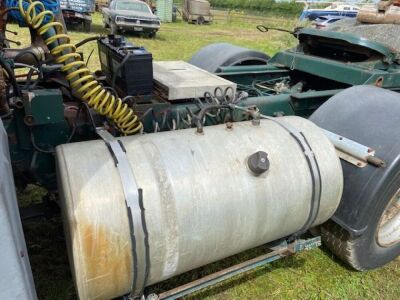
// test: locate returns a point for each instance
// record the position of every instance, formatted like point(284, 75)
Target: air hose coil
point(79, 76)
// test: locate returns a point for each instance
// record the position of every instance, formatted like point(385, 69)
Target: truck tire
point(365, 252)
point(200, 20)
point(87, 25)
point(365, 230)
point(152, 34)
point(214, 56)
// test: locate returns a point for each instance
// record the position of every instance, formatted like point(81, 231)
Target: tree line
point(284, 8)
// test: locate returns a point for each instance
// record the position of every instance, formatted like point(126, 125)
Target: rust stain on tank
point(107, 262)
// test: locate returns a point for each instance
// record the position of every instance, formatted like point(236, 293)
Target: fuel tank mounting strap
point(314, 172)
point(135, 210)
point(312, 162)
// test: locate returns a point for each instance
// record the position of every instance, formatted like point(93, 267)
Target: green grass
point(310, 275)
point(179, 41)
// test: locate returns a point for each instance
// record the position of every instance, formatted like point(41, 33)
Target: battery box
point(131, 66)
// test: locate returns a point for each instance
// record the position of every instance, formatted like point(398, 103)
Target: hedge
point(287, 8)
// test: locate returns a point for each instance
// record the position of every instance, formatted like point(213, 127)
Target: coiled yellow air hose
point(78, 75)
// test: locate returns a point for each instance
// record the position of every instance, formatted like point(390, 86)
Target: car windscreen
point(134, 6)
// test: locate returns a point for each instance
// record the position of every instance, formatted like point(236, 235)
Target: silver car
point(130, 15)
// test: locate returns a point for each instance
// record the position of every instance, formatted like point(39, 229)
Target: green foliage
point(266, 6)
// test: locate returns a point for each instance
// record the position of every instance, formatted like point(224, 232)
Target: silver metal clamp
point(135, 211)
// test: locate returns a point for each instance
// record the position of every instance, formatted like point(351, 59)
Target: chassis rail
point(277, 251)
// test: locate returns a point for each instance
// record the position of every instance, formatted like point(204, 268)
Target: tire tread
point(339, 241)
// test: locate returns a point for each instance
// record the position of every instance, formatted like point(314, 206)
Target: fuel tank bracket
point(277, 252)
point(353, 152)
point(135, 210)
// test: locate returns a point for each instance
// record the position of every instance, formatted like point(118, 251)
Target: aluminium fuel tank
point(201, 201)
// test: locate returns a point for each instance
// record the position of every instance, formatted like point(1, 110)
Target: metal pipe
point(282, 250)
point(354, 152)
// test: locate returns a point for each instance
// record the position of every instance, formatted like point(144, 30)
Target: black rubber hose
point(11, 76)
point(87, 40)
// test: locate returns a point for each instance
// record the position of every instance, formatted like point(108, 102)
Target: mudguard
point(370, 116)
point(214, 56)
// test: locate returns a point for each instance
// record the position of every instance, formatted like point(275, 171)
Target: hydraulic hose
point(78, 75)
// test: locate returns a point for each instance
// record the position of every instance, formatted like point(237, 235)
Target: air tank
point(202, 200)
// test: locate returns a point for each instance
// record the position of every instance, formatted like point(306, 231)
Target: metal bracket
point(278, 251)
point(314, 172)
point(353, 152)
point(135, 210)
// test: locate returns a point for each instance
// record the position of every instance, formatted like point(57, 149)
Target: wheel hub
point(389, 227)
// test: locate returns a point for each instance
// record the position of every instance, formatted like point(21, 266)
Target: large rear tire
point(378, 245)
point(365, 230)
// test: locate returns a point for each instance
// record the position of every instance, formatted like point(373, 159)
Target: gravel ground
point(387, 34)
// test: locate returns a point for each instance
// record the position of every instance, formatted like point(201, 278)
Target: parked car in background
point(323, 22)
point(130, 15)
point(335, 9)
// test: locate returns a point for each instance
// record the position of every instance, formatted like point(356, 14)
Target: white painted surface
point(181, 80)
point(16, 281)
